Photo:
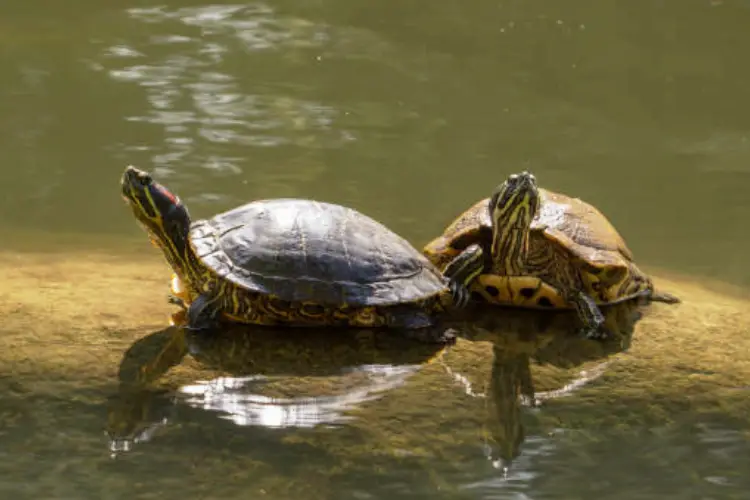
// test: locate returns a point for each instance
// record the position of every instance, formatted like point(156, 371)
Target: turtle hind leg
point(590, 315)
point(202, 314)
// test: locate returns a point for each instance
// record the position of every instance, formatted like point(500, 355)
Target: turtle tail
point(668, 298)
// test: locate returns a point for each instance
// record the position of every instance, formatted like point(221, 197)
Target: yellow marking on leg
point(472, 276)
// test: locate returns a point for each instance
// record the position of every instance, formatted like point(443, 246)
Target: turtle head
point(512, 208)
point(158, 210)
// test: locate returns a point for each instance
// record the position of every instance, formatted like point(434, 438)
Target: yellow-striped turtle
point(529, 247)
point(290, 262)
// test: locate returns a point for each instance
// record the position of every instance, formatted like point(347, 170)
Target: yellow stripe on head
point(512, 208)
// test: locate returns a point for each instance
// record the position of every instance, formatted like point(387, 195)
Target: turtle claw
point(199, 328)
point(197, 320)
point(598, 332)
point(461, 295)
point(201, 315)
point(591, 317)
point(202, 323)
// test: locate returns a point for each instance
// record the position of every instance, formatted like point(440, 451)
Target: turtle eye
point(145, 179)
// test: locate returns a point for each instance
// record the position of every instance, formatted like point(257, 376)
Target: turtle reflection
point(268, 377)
point(520, 338)
point(259, 376)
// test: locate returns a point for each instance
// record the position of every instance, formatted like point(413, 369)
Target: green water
point(410, 112)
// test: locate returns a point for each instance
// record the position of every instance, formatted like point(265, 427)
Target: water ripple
point(199, 90)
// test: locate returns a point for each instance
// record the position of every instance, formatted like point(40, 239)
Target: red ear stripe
point(168, 194)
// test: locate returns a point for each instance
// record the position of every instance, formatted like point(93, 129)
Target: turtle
point(292, 262)
point(529, 247)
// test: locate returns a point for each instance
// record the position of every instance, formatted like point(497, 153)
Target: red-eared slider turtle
point(290, 262)
point(529, 247)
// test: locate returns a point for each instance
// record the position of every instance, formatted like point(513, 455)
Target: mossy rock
point(87, 340)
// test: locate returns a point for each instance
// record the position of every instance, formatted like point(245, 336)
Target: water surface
point(408, 112)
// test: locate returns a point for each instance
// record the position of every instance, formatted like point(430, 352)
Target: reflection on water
point(275, 378)
point(279, 379)
point(195, 94)
point(234, 398)
point(523, 339)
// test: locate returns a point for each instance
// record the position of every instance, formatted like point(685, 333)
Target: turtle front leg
point(462, 271)
point(202, 314)
point(590, 315)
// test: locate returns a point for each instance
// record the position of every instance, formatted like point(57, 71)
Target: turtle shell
point(570, 222)
point(472, 226)
point(581, 229)
point(309, 251)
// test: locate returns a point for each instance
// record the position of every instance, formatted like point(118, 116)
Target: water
point(409, 113)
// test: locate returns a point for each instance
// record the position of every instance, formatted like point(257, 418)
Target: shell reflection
point(256, 376)
point(301, 379)
point(237, 400)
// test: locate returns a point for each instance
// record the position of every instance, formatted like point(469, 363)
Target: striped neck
point(509, 250)
point(183, 261)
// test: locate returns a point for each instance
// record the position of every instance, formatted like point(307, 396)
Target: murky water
point(408, 112)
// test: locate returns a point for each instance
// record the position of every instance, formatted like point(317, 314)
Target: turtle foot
point(202, 324)
point(599, 332)
point(201, 315)
point(461, 294)
point(200, 328)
